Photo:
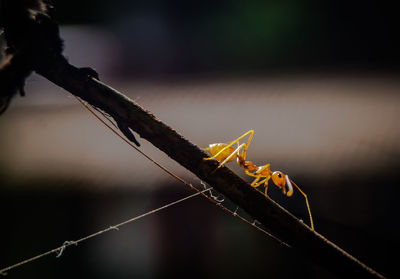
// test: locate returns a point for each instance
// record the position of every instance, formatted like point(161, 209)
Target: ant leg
point(258, 183)
point(242, 156)
point(209, 158)
point(216, 154)
point(251, 132)
point(257, 173)
point(263, 171)
point(233, 154)
point(255, 181)
point(308, 205)
point(228, 158)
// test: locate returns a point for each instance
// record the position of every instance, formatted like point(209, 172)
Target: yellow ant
point(226, 152)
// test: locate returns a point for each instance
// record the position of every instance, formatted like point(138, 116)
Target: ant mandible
point(226, 152)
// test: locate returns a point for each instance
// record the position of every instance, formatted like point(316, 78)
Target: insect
point(227, 152)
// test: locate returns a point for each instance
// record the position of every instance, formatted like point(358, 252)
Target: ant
point(226, 152)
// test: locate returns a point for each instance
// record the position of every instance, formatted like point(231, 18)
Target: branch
point(278, 220)
point(34, 45)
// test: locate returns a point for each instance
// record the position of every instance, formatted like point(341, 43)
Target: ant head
point(282, 181)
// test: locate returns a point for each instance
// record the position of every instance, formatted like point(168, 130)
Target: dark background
point(246, 36)
point(212, 71)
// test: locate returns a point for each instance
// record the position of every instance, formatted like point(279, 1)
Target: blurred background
point(317, 81)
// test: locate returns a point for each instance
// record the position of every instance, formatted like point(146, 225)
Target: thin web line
point(59, 250)
point(210, 198)
point(213, 199)
point(130, 144)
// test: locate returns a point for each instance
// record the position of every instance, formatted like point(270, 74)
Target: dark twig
point(51, 64)
point(266, 211)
